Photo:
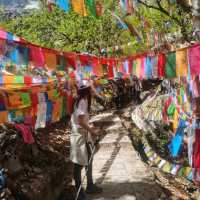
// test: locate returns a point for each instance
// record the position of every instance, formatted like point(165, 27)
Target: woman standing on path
point(81, 131)
point(137, 88)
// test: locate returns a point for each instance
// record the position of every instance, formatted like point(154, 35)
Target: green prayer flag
point(182, 91)
point(19, 79)
point(62, 63)
point(171, 109)
point(64, 107)
point(181, 171)
point(134, 68)
point(91, 7)
point(56, 94)
point(26, 99)
point(170, 69)
point(67, 77)
point(104, 81)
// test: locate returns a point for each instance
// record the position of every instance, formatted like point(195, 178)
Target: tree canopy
point(73, 32)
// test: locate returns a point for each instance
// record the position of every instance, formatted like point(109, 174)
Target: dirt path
point(118, 168)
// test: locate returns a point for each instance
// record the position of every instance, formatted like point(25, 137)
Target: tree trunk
point(196, 17)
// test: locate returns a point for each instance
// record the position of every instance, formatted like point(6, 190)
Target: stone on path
point(117, 167)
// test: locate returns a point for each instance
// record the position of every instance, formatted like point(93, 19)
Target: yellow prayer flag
point(138, 67)
point(79, 7)
point(181, 63)
point(175, 120)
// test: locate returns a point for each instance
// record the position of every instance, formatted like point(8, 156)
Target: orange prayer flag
point(3, 116)
point(2, 46)
point(98, 70)
point(138, 66)
point(15, 100)
point(79, 7)
point(57, 110)
point(8, 80)
point(50, 60)
point(181, 63)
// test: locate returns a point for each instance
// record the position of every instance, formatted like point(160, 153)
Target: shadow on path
point(143, 190)
point(110, 161)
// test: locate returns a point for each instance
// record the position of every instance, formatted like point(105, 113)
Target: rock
point(39, 171)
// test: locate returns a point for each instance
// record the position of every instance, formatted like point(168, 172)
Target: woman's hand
point(95, 131)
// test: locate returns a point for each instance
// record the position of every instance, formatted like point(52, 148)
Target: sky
point(25, 4)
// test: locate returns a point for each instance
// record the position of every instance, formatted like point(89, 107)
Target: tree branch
point(148, 5)
point(160, 8)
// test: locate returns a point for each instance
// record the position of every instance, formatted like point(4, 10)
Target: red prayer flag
point(71, 59)
point(194, 60)
point(37, 56)
point(104, 61)
point(84, 59)
point(110, 71)
point(27, 80)
point(161, 65)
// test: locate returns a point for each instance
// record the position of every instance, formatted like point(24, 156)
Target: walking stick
point(93, 149)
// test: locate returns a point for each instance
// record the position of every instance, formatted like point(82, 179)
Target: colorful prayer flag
point(63, 4)
point(194, 60)
point(79, 7)
point(50, 60)
point(181, 63)
point(91, 7)
point(170, 69)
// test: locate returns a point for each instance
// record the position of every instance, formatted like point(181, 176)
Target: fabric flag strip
point(176, 143)
point(161, 65)
point(51, 60)
point(63, 4)
point(91, 7)
point(79, 7)
point(181, 63)
point(148, 68)
point(37, 56)
point(170, 69)
point(194, 60)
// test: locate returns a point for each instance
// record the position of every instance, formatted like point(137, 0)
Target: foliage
point(72, 32)
point(68, 31)
point(177, 14)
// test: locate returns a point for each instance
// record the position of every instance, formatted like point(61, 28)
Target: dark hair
point(84, 93)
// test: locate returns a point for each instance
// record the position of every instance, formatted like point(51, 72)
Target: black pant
point(77, 173)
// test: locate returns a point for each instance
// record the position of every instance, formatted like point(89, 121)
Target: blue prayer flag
point(63, 4)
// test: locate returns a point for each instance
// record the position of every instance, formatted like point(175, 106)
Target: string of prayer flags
point(9, 36)
point(22, 57)
point(174, 169)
